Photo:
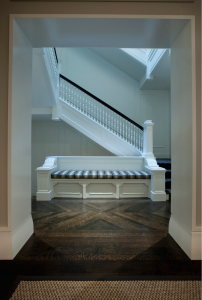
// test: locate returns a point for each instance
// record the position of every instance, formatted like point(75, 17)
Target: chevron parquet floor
point(102, 230)
point(82, 239)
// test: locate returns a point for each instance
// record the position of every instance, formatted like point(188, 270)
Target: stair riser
point(168, 175)
point(166, 166)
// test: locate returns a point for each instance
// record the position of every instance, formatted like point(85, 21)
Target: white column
point(44, 192)
point(55, 109)
point(157, 183)
point(148, 139)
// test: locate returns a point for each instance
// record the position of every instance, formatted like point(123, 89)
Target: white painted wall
point(155, 106)
point(21, 220)
point(183, 217)
point(21, 127)
point(99, 77)
point(59, 139)
point(121, 91)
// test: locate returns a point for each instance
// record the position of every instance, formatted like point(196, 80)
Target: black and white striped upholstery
point(101, 175)
point(108, 174)
point(78, 174)
point(123, 174)
point(55, 174)
point(70, 174)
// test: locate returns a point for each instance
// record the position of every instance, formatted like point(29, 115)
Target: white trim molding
point(13, 241)
point(189, 241)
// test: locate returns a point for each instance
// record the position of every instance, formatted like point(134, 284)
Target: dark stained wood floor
point(96, 230)
point(99, 238)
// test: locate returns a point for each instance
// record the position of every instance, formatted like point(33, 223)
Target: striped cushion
point(108, 174)
point(55, 174)
point(146, 175)
point(78, 174)
point(70, 174)
point(123, 174)
point(115, 175)
point(101, 174)
point(131, 175)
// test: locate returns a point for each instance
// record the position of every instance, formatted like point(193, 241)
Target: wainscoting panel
point(64, 190)
point(101, 190)
point(133, 190)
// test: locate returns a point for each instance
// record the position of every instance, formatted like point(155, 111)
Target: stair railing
point(101, 112)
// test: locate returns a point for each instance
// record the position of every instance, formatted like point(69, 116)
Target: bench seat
point(100, 175)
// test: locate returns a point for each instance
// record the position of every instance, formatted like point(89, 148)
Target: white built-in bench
point(100, 184)
point(134, 177)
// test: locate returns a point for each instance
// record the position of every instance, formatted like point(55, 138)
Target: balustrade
point(101, 114)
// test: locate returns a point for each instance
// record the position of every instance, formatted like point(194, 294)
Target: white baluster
point(66, 91)
point(141, 141)
point(83, 103)
point(106, 117)
point(115, 121)
point(137, 140)
point(94, 110)
point(69, 94)
point(78, 99)
point(126, 130)
point(120, 127)
point(86, 104)
point(98, 114)
point(91, 104)
point(72, 96)
point(117, 124)
point(89, 111)
point(75, 97)
point(129, 132)
point(109, 118)
point(103, 114)
point(112, 121)
point(63, 90)
point(123, 121)
point(134, 135)
point(60, 88)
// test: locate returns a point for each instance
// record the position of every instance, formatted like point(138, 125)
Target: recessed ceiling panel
point(101, 32)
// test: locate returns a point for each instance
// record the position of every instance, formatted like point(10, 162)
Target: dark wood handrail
point(56, 55)
point(102, 102)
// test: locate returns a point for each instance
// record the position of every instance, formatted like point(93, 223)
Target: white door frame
point(192, 18)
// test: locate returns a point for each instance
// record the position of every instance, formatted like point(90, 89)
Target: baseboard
point(12, 241)
point(190, 242)
point(158, 196)
point(44, 196)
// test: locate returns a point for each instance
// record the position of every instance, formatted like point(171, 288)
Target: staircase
point(166, 164)
point(98, 120)
point(106, 126)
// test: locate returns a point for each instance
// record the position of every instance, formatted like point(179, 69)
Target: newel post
point(55, 109)
point(148, 139)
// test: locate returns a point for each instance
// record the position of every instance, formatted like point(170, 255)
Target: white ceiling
point(101, 32)
point(123, 61)
point(137, 70)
